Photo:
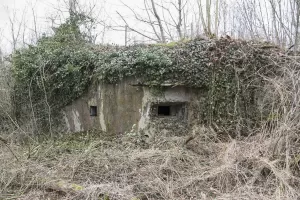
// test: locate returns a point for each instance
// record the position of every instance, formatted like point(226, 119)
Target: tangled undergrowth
point(202, 165)
point(204, 168)
point(262, 164)
point(61, 68)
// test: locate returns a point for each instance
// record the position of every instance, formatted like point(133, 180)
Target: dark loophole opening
point(93, 111)
point(164, 111)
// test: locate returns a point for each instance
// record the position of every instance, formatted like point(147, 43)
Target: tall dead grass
point(264, 165)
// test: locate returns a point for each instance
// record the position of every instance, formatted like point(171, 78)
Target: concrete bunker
point(156, 88)
point(116, 108)
point(169, 109)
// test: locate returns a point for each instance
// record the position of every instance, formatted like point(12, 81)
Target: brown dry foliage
point(263, 165)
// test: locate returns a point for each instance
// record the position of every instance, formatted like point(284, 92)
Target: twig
point(136, 30)
point(6, 144)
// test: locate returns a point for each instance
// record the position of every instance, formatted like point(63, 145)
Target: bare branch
point(138, 32)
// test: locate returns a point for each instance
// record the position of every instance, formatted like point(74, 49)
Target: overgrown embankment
point(61, 68)
point(207, 164)
point(202, 165)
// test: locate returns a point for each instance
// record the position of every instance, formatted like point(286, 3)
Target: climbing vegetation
point(60, 69)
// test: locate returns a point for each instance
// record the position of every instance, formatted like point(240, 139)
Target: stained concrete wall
point(123, 106)
point(118, 107)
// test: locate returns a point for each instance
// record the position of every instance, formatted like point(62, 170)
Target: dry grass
point(97, 169)
point(264, 165)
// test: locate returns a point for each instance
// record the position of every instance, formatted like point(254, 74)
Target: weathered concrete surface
point(118, 107)
point(123, 106)
point(152, 125)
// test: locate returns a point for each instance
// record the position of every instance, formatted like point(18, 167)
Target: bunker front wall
point(123, 107)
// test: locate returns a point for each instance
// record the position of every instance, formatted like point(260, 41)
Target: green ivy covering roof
point(60, 69)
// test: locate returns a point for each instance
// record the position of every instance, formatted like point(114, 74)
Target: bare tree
point(160, 21)
point(1, 53)
point(161, 29)
point(206, 17)
point(95, 21)
point(170, 20)
point(16, 25)
point(272, 20)
point(297, 23)
point(35, 31)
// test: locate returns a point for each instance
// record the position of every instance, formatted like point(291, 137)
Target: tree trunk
point(162, 33)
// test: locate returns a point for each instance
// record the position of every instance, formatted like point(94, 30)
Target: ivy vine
point(60, 69)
